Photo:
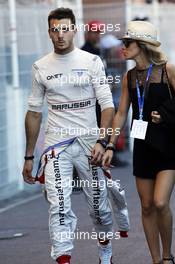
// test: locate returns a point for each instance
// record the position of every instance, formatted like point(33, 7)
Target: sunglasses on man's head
point(127, 42)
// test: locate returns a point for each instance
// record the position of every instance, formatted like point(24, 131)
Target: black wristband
point(102, 142)
point(111, 146)
point(29, 157)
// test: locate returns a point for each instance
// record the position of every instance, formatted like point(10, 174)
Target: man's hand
point(97, 154)
point(27, 172)
point(107, 157)
point(156, 118)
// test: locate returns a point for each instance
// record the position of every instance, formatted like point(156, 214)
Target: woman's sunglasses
point(127, 42)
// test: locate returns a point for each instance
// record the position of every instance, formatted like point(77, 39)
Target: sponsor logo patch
point(55, 76)
point(76, 105)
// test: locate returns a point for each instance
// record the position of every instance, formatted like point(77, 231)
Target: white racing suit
point(58, 171)
point(118, 203)
point(71, 84)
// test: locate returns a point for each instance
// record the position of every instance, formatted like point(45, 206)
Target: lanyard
point(141, 98)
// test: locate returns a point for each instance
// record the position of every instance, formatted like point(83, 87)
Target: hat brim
point(144, 40)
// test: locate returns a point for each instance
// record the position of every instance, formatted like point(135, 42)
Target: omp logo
point(79, 71)
point(55, 76)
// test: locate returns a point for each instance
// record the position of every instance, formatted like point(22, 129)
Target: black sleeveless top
point(157, 98)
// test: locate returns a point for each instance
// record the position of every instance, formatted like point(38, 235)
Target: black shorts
point(147, 161)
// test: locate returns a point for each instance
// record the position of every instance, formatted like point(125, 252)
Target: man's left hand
point(97, 154)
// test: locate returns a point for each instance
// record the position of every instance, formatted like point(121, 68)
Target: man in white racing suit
point(71, 80)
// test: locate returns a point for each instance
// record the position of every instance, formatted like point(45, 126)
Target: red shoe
point(64, 259)
point(123, 233)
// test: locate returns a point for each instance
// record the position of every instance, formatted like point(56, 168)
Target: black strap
point(29, 157)
point(129, 83)
point(162, 74)
point(168, 83)
point(171, 258)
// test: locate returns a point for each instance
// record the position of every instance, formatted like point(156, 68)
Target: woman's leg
point(145, 188)
point(163, 188)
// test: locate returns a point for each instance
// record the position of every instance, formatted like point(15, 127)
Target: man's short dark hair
point(61, 13)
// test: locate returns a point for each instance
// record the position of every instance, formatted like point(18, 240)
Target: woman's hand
point(106, 159)
point(156, 118)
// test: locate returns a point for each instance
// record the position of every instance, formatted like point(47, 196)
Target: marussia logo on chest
point(74, 105)
point(80, 73)
point(55, 76)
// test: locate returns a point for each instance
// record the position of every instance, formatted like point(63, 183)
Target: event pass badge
point(139, 128)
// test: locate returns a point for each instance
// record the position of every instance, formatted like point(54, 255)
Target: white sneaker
point(105, 253)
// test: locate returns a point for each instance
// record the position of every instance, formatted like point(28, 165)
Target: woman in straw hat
point(150, 88)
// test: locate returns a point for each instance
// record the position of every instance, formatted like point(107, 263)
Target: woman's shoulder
point(132, 69)
point(131, 74)
point(127, 74)
point(170, 69)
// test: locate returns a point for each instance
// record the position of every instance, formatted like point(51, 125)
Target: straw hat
point(142, 31)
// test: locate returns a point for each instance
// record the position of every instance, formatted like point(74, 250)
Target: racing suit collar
point(58, 56)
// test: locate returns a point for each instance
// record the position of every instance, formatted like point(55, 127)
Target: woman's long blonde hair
point(154, 54)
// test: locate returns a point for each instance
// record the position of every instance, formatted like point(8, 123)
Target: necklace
point(141, 76)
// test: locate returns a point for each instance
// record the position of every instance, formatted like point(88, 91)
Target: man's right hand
point(27, 172)
point(106, 159)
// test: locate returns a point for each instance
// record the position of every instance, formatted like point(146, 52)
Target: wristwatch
point(111, 146)
point(102, 142)
point(29, 157)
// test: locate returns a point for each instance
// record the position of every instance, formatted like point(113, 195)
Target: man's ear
point(49, 32)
